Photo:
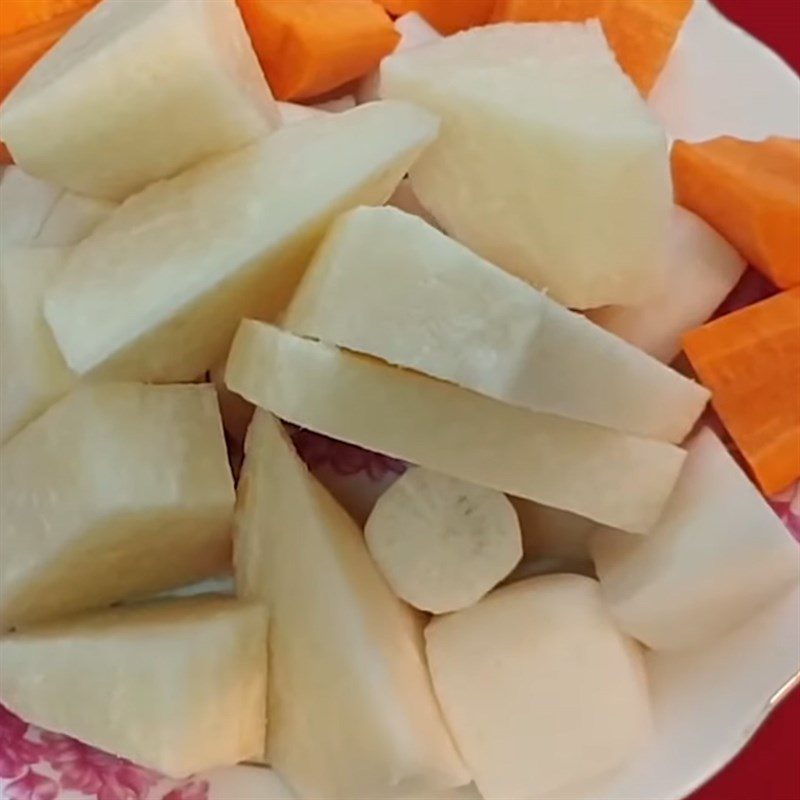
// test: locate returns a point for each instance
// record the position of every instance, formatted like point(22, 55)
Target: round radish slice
point(442, 543)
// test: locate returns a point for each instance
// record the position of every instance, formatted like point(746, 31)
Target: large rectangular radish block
point(177, 686)
point(116, 491)
point(156, 292)
point(595, 472)
point(539, 687)
point(38, 214)
point(351, 713)
point(33, 373)
point(138, 91)
point(549, 163)
point(388, 284)
point(717, 555)
point(703, 269)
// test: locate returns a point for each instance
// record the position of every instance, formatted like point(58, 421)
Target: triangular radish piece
point(592, 471)
point(550, 164)
point(33, 373)
point(176, 685)
point(116, 491)
point(156, 292)
point(351, 710)
point(716, 557)
point(138, 91)
point(387, 284)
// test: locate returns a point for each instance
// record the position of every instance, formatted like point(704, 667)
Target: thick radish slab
point(138, 91)
point(177, 686)
point(601, 474)
point(117, 491)
point(386, 283)
point(549, 163)
point(703, 269)
point(156, 292)
point(718, 555)
point(33, 373)
point(351, 710)
point(539, 687)
point(442, 543)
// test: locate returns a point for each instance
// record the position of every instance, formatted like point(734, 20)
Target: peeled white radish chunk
point(442, 543)
point(717, 555)
point(156, 292)
point(583, 468)
point(414, 32)
point(116, 491)
point(549, 163)
point(351, 714)
point(387, 284)
point(295, 112)
point(539, 688)
point(32, 370)
point(177, 686)
point(36, 213)
point(344, 103)
point(138, 91)
point(703, 269)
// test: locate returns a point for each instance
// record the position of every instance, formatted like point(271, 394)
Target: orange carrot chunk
point(308, 47)
point(750, 360)
point(447, 16)
point(749, 192)
point(5, 156)
point(640, 32)
point(21, 50)
point(19, 15)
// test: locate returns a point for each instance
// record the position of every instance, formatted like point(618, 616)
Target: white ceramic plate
point(708, 703)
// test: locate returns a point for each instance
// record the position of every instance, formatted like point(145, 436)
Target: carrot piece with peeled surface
point(308, 47)
point(749, 192)
point(750, 360)
point(19, 51)
point(640, 32)
point(19, 15)
point(447, 16)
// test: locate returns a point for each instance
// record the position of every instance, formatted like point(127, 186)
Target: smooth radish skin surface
point(387, 284)
point(538, 686)
point(138, 91)
point(351, 710)
point(549, 163)
point(38, 214)
point(177, 686)
point(117, 491)
point(33, 373)
point(442, 543)
point(601, 474)
point(151, 296)
point(717, 555)
point(703, 269)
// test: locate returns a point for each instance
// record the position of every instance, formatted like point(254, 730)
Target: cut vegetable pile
point(456, 251)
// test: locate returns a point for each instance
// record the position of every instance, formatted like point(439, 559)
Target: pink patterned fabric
point(345, 459)
point(37, 765)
